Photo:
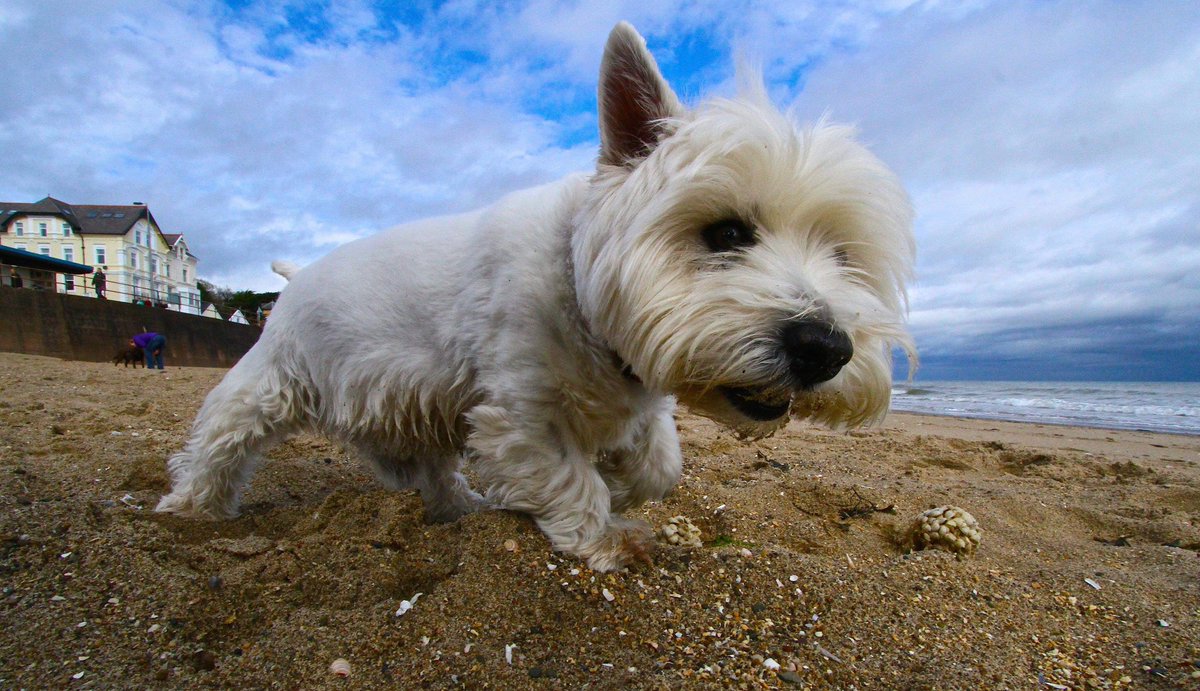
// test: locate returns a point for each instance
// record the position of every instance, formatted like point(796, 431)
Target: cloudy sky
point(1052, 149)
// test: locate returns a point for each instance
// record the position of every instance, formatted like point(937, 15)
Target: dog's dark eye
point(729, 235)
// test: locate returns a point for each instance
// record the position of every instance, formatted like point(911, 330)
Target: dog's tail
point(285, 268)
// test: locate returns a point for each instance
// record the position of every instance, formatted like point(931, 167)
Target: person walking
point(100, 282)
point(152, 345)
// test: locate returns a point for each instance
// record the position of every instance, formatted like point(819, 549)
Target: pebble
point(791, 677)
point(204, 660)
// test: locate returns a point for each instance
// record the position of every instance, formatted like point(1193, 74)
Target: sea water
point(1153, 406)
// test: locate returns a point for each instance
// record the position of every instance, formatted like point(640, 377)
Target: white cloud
point(1053, 153)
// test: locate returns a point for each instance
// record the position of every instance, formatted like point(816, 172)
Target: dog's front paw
point(188, 505)
point(624, 542)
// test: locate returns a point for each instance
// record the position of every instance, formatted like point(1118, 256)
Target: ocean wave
point(1164, 407)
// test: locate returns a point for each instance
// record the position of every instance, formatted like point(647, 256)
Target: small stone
point(204, 660)
point(790, 677)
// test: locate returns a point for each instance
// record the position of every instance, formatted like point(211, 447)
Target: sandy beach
point(1086, 575)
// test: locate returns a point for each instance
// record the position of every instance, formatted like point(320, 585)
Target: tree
point(226, 300)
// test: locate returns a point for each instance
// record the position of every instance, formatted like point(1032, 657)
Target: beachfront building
point(24, 269)
point(140, 262)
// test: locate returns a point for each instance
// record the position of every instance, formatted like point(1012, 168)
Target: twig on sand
point(863, 507)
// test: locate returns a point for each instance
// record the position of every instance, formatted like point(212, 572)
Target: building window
point(98, 250)
point(20, 229)
point(153, 264)
point(69, 254)
point(137, 236)
point(66, 228)
point(167, 270)
point(44, 249)
point(68, 283)
point(42, 229)
point(133, 259)
point(185, 275)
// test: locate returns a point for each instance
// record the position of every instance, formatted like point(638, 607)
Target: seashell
point(340, 667)
point(948, 527)
point(510, 545)
point(679, 530)
point(406, 605)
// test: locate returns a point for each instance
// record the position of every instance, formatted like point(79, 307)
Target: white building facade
point(139, 261)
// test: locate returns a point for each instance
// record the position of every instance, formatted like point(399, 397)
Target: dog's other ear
point(634, 99)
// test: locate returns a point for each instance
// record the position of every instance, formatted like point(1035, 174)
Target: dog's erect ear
point(634, 99)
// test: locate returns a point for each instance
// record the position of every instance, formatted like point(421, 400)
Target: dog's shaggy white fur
point(720, 256)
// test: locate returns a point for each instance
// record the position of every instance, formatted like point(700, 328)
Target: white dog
point(719, 256)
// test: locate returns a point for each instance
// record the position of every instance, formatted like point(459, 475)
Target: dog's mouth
point(756, 403)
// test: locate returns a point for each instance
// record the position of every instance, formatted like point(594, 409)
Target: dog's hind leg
point(253, 408)
point(540, 472)
point(446, 493)
point(649, 466)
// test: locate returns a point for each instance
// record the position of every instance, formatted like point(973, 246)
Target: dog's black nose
point(817, 350)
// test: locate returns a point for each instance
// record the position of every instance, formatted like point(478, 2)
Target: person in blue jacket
point(152, 345)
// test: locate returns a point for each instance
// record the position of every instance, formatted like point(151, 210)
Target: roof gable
point(111, 220)
point(91, 219)
point(49, 206)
